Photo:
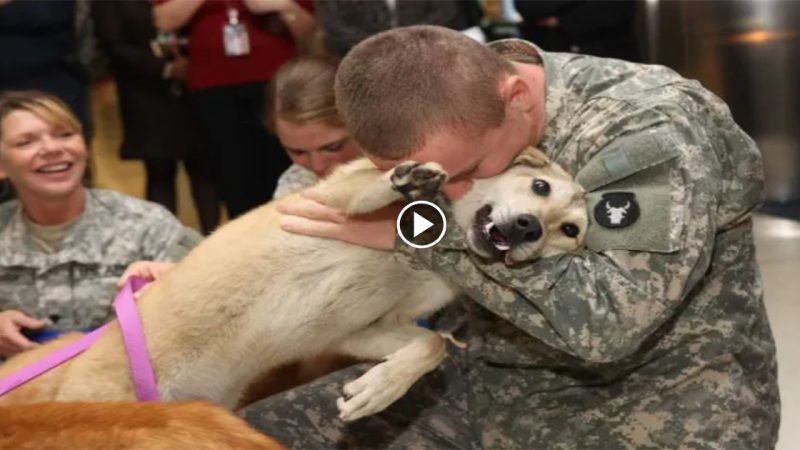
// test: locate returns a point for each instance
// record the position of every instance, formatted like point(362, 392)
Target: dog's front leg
point(408, 352)
point(408, 181)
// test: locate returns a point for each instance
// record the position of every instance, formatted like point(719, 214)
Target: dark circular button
point(421, 224)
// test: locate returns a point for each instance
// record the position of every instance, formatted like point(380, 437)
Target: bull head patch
point(617, 210)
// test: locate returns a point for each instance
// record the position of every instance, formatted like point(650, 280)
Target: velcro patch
point(617, 210)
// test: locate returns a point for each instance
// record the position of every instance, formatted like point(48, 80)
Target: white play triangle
point(421, 224)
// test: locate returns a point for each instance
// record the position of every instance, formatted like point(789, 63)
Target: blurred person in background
point(345, 23)
point(63, 247)
point(40, 51)
point(235, 47)
point(159, 125)
point(591, 27)
point(302, 110)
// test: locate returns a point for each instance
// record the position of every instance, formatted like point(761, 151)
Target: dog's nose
point(524, 228)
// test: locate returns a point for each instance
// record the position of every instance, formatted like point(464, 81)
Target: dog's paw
point(417, 180)
point(378, 388)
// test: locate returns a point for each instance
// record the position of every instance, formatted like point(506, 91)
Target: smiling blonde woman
point(62, 246)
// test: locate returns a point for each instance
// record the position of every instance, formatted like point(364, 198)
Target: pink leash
point(144, 380)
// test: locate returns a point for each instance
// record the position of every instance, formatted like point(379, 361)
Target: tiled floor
point(777, 240)
point(778, 246)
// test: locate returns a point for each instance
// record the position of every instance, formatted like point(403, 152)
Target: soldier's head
point(42, 151)
point(433, 94)
point(301, 109)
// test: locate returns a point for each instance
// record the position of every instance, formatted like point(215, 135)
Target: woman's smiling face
point(41, 159)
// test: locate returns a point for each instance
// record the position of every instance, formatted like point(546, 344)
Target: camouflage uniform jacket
point(294, 179)
point(656, 334)
point(76, 284)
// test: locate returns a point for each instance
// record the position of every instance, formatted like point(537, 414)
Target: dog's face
point(533, 209)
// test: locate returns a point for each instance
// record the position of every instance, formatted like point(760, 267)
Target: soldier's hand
point(149, 270)
point(305, 216)
point(11, 339)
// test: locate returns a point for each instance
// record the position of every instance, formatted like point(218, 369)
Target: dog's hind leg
point(408, 352)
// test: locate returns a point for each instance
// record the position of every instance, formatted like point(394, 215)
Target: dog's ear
point(532, 157)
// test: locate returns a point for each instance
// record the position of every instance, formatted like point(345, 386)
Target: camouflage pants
point(536, 408)
point(432, 415)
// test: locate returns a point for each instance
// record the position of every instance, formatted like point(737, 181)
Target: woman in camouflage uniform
point(63, 247)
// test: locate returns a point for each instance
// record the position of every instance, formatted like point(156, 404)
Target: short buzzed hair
point(397, 87)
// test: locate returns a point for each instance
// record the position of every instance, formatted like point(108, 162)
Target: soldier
point(654, 336)
point(63, 247)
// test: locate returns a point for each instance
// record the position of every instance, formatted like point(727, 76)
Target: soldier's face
point(479, 154)
point(467, 157)
point(41, 160)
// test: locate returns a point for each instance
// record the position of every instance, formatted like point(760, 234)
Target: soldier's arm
point(294, 179)
point(601, 304)
point(166, 239)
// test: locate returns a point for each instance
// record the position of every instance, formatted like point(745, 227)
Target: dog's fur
point(252, 297)
point(129, 425)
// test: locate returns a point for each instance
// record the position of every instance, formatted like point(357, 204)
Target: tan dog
point(252, 297)
point(117, 426)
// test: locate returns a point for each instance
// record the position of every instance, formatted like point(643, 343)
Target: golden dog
point(117, 426)
point(251, 297)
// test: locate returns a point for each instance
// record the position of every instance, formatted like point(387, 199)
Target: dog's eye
point(570, 229)
point(541, 187)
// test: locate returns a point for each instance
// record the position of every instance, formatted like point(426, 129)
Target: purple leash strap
point(50, 361)
point(130, 326)
point(144, 378)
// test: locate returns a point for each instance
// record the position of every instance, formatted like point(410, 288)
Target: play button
point(421, 224)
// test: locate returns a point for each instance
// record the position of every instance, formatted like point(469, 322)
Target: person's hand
point(266, 6)
point(177, 68)
point(11, 339)
point(5, 2)
point(149, 270)
point(549, 22)
point(302, 215)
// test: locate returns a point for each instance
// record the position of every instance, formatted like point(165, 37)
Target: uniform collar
point(521, 51)
point(17, 247)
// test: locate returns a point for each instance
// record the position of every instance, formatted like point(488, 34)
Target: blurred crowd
point(191, 75)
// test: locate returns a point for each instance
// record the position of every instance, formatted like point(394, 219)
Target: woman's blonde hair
point(45, 106)
point(302, 91)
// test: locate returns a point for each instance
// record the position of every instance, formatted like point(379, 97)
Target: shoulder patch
point(617, 210)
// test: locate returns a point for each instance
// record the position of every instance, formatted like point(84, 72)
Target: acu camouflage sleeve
point(166, 239)
point(601, 304)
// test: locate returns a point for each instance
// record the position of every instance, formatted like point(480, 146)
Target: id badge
point(234, 36)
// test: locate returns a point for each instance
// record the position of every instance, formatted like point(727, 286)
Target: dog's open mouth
point(489, 236)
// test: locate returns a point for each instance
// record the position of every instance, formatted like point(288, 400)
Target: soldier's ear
point(532, 157)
